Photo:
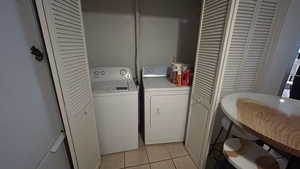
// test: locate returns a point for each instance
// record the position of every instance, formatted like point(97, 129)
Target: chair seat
point(243, 154)
point(237, 131)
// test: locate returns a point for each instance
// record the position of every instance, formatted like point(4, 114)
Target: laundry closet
point(110, 59)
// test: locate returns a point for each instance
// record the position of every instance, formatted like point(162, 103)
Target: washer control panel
point(110, 73)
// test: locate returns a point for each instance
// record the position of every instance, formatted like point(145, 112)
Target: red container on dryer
point(186, 77)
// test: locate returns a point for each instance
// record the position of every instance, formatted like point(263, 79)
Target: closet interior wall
point(167, 31)
point(109, 29)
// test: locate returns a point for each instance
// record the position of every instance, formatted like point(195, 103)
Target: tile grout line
point(170, 155)
point(147, 155)
point(137, 164)
point(149, 163)
point(158, 160)
point(174, 163)
point(148, 159)
point(192, 160)
point(171, 159)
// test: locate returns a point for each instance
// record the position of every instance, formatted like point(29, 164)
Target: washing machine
point(116, 104)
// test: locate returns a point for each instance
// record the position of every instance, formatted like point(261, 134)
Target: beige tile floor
point(161, 156)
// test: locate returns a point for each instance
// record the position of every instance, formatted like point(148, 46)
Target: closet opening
point(144, 38)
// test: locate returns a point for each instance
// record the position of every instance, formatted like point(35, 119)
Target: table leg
point(291, 162)
point(222, 164)
point(228, 131)
point(289, 165)
point(216, 140)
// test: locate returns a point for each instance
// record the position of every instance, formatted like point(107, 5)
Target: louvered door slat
point(209, 45)
point(250, 38)
point(64, 11)
point(66, 27)
point(69, 5)
point(68, 35)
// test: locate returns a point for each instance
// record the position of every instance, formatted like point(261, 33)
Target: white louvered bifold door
point(63, 31)
point(67, 36)
point(211, 52)
point(249, 43)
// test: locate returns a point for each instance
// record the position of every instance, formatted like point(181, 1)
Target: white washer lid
point(162, 84)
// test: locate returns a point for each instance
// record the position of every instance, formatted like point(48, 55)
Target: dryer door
point(168, 118)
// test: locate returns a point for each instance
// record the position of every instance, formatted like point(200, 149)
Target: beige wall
point(110, 39)
point(167, 28)
point(109, 27)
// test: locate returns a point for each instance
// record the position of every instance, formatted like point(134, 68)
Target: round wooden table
point(273, 119)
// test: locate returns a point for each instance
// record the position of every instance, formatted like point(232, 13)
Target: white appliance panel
point(165, 110)
point(117, 122)
point(168, 118)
